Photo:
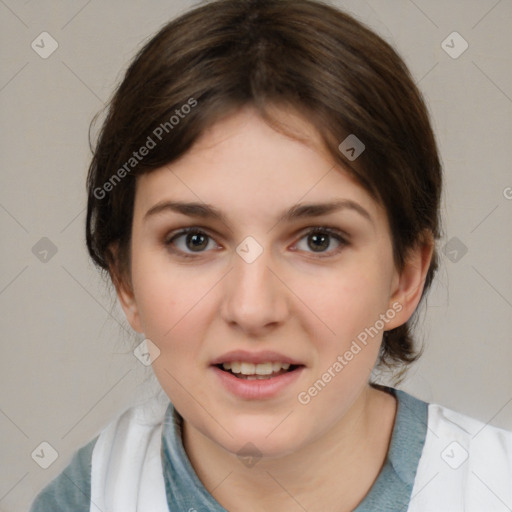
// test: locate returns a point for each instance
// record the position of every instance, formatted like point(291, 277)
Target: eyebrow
point(299, 211)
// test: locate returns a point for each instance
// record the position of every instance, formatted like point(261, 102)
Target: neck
point(334, 472)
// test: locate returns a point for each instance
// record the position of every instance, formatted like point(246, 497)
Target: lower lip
point(257, 389)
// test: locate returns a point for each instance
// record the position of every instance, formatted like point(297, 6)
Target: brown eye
point(318, 242)
point(322, 240)
point(196, 241)
point(189, 241)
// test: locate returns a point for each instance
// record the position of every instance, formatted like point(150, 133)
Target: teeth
point(247, 368)
point(255, 369)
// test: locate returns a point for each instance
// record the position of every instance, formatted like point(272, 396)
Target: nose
point(255, 299)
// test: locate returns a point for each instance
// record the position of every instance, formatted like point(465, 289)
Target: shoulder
point(468, 443)
point(126, 461)
point(466, 464)
point(71, 489)
point(121, 449)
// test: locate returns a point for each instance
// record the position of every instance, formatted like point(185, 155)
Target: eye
point(189, 241)
point(320, 239)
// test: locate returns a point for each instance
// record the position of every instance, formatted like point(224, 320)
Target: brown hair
point(304, 54)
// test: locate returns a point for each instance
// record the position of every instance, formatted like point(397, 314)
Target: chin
point(255, 438)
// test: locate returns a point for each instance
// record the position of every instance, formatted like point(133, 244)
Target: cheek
point(344, 303)
point(174, 307)
point(350, 304)
point(167, 296)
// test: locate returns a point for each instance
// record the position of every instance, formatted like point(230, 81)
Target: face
point(251, 294)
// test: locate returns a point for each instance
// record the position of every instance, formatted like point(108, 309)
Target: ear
point(407, 286)
point(124, 289)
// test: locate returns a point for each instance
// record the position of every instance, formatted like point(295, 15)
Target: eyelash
point(325, 230)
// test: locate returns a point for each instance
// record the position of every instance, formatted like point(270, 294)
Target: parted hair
point(328, 67)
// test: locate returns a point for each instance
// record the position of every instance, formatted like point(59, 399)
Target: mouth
point(262, 375)
point(257, 371)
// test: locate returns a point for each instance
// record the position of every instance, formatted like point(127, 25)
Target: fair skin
point(304, 298)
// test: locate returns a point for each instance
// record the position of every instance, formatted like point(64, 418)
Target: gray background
point(66, 364)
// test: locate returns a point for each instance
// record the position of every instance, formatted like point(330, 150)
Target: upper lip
point(254, 357)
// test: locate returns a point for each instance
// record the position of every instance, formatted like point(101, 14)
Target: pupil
point(322, 240)
point(196, 241)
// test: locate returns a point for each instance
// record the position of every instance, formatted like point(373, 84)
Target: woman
point(264, 196)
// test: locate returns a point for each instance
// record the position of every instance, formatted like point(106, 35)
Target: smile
point(260, 371)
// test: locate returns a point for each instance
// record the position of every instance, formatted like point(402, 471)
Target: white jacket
point(465, 466)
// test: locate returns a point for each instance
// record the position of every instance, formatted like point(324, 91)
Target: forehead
point(245, 165)
point(282, 120)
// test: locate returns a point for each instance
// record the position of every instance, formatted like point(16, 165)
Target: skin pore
point(306, 296)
